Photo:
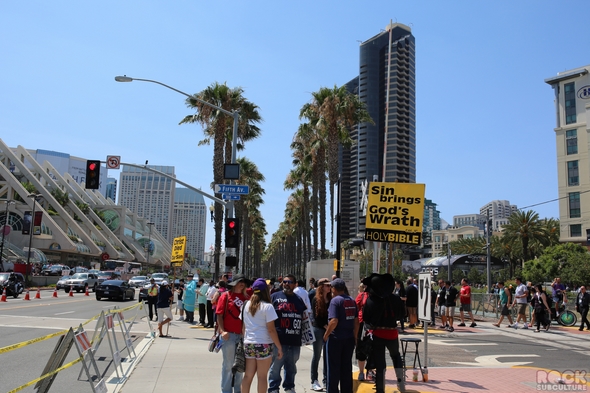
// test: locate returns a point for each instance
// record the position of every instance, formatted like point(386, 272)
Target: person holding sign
point(165, 297)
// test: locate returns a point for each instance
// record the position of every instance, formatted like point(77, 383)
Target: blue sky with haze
point(484, 116)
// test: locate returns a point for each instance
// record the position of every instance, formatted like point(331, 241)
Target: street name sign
point(231, 189)
point(395, 212)
point(230, 197)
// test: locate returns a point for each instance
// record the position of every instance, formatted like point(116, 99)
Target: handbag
point(215, 341)
point(365, 345)
point(239, 365)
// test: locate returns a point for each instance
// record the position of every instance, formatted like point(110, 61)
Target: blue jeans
point(318, 349)
point(288, 361)
point(228, 350)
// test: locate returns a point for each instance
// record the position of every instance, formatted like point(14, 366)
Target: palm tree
point(525, 229)
point(332, 112)
point(219, 127)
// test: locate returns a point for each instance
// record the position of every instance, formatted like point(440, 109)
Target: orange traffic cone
point(38, 295)
point(3, 299)
point(27, 297)
point(86, 293)
point(71, 291)
point(54, 293)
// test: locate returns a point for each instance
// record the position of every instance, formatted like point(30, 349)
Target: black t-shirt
point(411, 296)
point(451, 296)
point(180, 292)
point(289, 309)
point(164, 297)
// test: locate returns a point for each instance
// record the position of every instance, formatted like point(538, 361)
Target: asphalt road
point(484, 346)
point(21, 321)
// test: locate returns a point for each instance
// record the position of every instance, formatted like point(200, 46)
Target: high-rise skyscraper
point(385, 150)
point(572, 103)
point(190, 215)
point(149, 195)
point(111, 189)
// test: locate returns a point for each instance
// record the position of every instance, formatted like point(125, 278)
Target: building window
point(571, 141)
point(569, 90)
point(573, 178)
point(576, 230)
point(574, 201)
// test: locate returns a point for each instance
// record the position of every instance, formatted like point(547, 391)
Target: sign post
point(425, 314)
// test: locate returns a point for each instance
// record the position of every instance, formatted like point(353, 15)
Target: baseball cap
point(164, 282)
point(259, 285)
point(338, 283)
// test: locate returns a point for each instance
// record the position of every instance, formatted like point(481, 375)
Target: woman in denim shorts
point(259, 335)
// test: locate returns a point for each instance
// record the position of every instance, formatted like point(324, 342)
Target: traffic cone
point(86, 293)
point(71, 291)
point(27, 297)
point(38, 295)
point(3, 295)
point(54, 293)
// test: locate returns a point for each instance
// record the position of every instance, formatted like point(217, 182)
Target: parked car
point(81, 282)
point(115, 289)
point(95, 271)
point(61, 283)
point(14, 287)
point(80, 269)
point(56, 270)
point(108, 275)
point(159, 277)
point(138, 281)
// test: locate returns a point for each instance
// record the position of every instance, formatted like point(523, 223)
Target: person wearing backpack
point(380, 313)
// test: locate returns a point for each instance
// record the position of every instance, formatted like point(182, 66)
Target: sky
point(484, 116)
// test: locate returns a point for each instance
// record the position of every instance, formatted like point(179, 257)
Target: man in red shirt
point(465, 299)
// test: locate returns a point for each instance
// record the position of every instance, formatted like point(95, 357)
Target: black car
point(115, 289)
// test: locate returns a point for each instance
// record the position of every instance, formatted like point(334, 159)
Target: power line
point(552, 200)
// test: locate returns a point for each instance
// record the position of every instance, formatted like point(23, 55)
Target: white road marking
point(454, 343)
point(66, 312)
point(492, 361)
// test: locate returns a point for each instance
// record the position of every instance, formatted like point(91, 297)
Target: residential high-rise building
point(498, 211)
point(431, 221)
point(572, 106)
point(189, 219)
point(111, 189)
point(149, 195)
point(385, 150)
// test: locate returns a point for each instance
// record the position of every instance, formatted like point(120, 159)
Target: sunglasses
point(288, 282)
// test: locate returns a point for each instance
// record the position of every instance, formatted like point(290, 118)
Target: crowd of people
point(272, 319)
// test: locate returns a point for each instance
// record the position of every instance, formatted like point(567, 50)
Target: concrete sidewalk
point(183, 363)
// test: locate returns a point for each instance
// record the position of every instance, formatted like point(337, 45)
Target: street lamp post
point(34, 196)
point(236, 118)
point(8, 203)
point(149, 224)
point(212, 211)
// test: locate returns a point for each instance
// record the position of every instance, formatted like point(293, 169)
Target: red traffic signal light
point(232, 232)
point(92, 174)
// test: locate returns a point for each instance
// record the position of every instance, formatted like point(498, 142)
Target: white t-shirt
point(255, 326)
point(304, 295)
point(211, 292)
point(520, 291)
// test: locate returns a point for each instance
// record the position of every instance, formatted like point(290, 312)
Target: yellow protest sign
point(395, 212)
point(178, 247)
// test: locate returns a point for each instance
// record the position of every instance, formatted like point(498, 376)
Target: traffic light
point(92, 174)
point(232, 232)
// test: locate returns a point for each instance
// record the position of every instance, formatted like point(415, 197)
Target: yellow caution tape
point(42, 377)
point(52, 335)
